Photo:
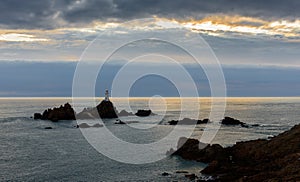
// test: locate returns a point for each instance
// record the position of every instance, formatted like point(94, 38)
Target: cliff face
point(277, 159)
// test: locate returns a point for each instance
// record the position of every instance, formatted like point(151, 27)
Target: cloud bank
point(49, 14)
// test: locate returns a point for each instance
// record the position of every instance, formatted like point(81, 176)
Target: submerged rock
point(97, 125)
point(85, 125)
point(188, 121)
point(119, 122)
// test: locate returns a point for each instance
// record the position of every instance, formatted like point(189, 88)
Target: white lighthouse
point(106, 95)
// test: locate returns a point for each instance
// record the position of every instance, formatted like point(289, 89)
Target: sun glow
point(18, 37)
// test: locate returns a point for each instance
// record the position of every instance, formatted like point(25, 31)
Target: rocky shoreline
point(274, 159)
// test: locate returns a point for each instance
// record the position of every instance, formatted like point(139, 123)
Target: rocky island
point(105, 110)
point(65, 112)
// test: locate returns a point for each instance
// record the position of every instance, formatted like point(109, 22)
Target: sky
point(256, 42)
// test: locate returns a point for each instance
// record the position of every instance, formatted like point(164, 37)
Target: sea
point(29, 152)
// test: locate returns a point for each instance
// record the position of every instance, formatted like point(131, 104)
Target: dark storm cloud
point(52, 14)
point(23, 14)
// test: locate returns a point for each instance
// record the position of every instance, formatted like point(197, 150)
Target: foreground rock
point(143, 113)
point(188, 121)
point(192, 149)
point(277, 159)
point(103, 110)
point(65, 112)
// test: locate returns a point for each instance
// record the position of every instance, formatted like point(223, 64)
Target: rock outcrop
point(277, 159)
point(143, 113)
point(192, 149)
point(103, 110)
point(106, 109)
point(125, 113)
point(188, 121)
point(85, 125)
point(231, 121)
point(65, 112)
point(37, 116)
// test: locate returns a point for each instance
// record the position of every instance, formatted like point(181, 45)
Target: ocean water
point(31, 153)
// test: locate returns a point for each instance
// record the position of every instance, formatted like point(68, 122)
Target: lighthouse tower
point(106, 95)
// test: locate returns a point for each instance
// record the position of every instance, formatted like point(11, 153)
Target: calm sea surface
point(31, 153)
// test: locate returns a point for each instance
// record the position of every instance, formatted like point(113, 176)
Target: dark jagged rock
point(65, 112)
point(188, 121)
point(232, 121)
point(277, 159)
point(37, 116)
point(165, 174)
point(206, 120)
point(143, 113)
point(103, 110)
point(119, 122)
point(125, 113)
point(106, 109)
point(192, 149)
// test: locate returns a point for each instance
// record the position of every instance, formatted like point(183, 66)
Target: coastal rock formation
point(106, 109)
point(103, 110)
point(188, 121)
point(119, 122)
point(231, 121)
point(37, 116)
point(125, 113)
point(143, 113)
point(85, 125)
point(277, 159)
point(65, 112)
point(192, 149)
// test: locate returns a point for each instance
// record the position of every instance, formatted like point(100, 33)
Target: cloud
point(16, 37)
point(49, 14)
